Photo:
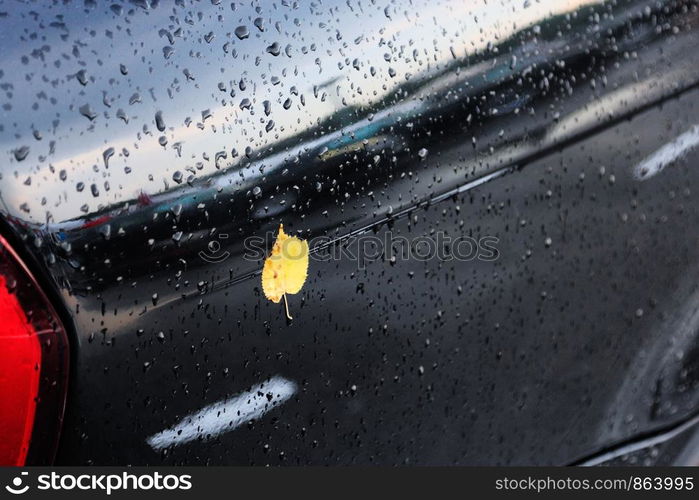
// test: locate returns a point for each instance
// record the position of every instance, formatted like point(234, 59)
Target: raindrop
point(82, 77)
point(242, 32)
point(220, 155)
point(159, 122)
point(274, 49)
point(106, 231)
point(122, 115)
point(21, 153)
point(87, 112)
point(106, 155)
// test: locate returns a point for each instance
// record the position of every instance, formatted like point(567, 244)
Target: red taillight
point(19, 379)
point(33, 366)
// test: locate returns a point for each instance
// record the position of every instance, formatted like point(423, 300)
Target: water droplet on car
point(81, 77)
point(21, 153)
point(274, 49)
point(259, 23)
point(242, 32)
point(87, 112)
point(159, 122)
point(106, 155)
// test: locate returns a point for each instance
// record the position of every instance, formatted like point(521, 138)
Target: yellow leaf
point(284, 271)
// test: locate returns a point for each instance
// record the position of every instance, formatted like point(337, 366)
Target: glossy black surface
point(134, 136)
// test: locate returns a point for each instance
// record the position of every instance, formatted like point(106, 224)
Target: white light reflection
point(224, 416)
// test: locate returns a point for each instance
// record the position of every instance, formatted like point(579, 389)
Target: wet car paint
point(528, 125)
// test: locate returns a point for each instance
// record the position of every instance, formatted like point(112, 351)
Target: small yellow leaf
point(284, 271)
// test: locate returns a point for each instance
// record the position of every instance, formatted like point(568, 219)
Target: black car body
point(145, 143)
